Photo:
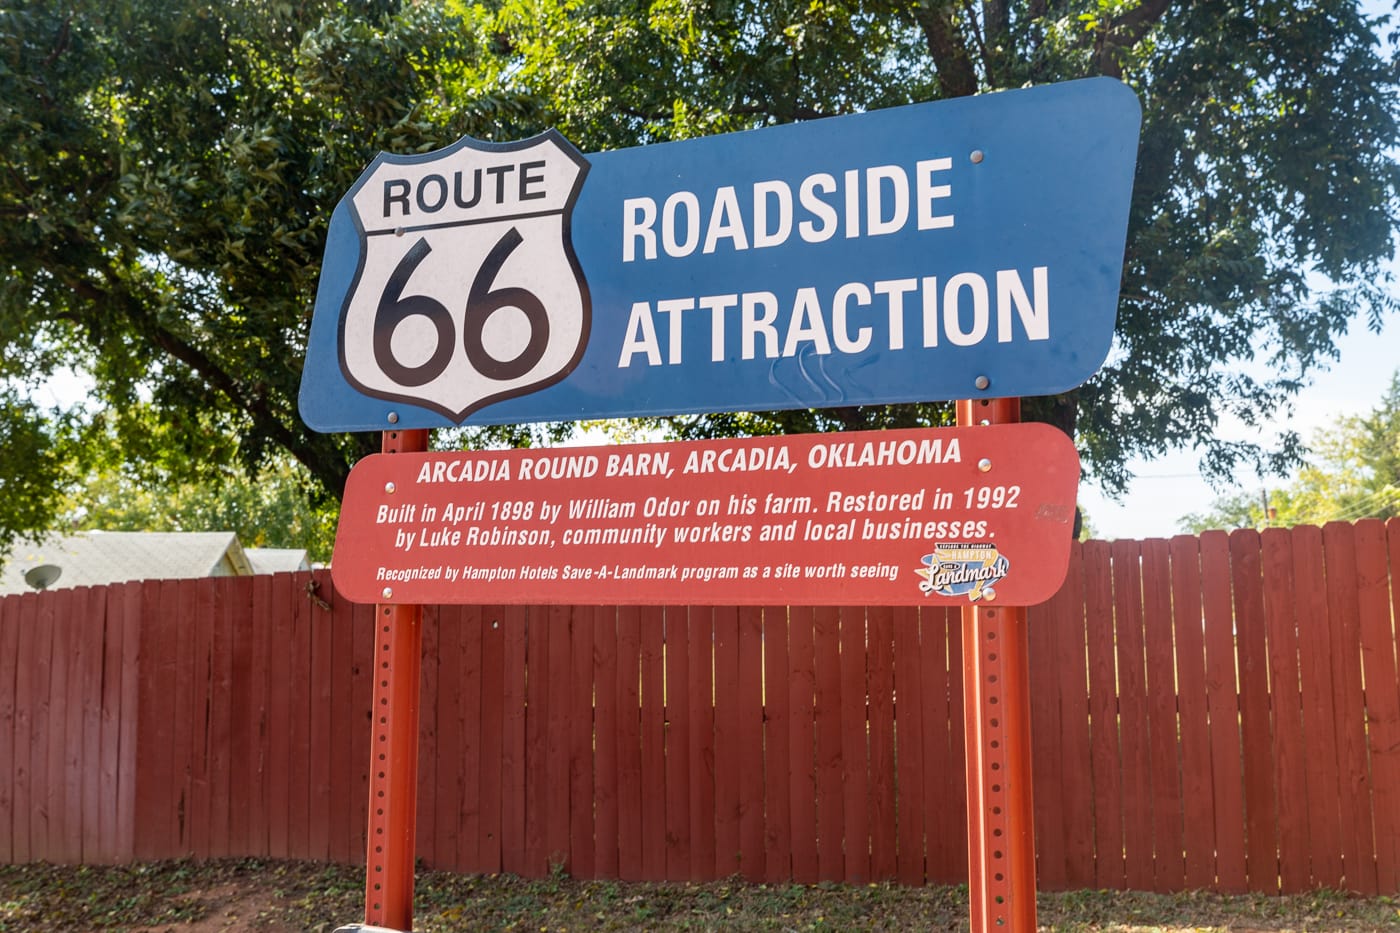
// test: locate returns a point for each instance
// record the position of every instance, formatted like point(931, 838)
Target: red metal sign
point(950, 516)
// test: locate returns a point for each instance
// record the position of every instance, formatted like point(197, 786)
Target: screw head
point(984, 465)
point(387, 592)
point(389, 488)
point(982, 382)
point(393, 417)
point(977, 156)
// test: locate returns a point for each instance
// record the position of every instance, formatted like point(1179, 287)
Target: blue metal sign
point(962, 248)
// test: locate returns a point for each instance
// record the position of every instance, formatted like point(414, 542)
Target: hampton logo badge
point(446, 310)
point(969, 570)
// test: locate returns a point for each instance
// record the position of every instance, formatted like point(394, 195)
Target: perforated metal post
point(393, 784)
point(997, 714)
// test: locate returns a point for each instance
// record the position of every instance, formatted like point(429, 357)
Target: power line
point(1357, 509)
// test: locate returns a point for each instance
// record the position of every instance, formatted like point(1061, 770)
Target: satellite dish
point(43, 576)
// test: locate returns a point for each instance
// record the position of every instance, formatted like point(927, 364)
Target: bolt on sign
point(956, 249)
point(950, 516)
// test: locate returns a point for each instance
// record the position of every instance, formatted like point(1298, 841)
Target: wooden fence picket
point(580, 745)
point(1168, 831)
point(320, 825)
point(826, 633)
point(777, 747)
point(802, 771)
point(9, 734)
point(1348, 707)
point(1261, 841)
point(1385, 704)
point(1382, 694)
point(880, 716)
point(1288, 758)
point(1130, 659)
point(490, 808)
point(652, 719)
point(911, 814)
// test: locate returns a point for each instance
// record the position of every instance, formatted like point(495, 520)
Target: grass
point(246, 894)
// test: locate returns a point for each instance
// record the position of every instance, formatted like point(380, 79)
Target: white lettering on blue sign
point(850, 320)
point(882, 205)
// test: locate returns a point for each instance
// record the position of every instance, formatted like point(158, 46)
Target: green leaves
point(275, 507)
point(31, 468)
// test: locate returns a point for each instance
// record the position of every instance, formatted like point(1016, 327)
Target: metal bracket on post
point(393, 784)
point(996, 712)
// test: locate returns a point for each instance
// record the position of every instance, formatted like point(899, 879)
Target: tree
point(168, 174)
point(139, 482)
point(272, 509)
point(1354, 472)
point(169, 170)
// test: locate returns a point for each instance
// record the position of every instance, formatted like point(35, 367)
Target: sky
point(1167, 489)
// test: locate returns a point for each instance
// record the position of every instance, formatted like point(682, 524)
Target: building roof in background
point(96, 558)
point(276, 559)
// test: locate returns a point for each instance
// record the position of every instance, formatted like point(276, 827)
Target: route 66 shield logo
point(468, 290)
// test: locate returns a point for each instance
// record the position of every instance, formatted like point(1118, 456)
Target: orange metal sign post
point(997, 713)
point(393, 784)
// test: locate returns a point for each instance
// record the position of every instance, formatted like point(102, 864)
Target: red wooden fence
point(1220, 712)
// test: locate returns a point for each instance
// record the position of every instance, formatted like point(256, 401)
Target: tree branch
point(945, 44)
point(996, 40)
point(61, 41)
point(1124, 33)
point(997, 19)
point(331, 471)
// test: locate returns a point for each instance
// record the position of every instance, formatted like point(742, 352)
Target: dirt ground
point(204, 897)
